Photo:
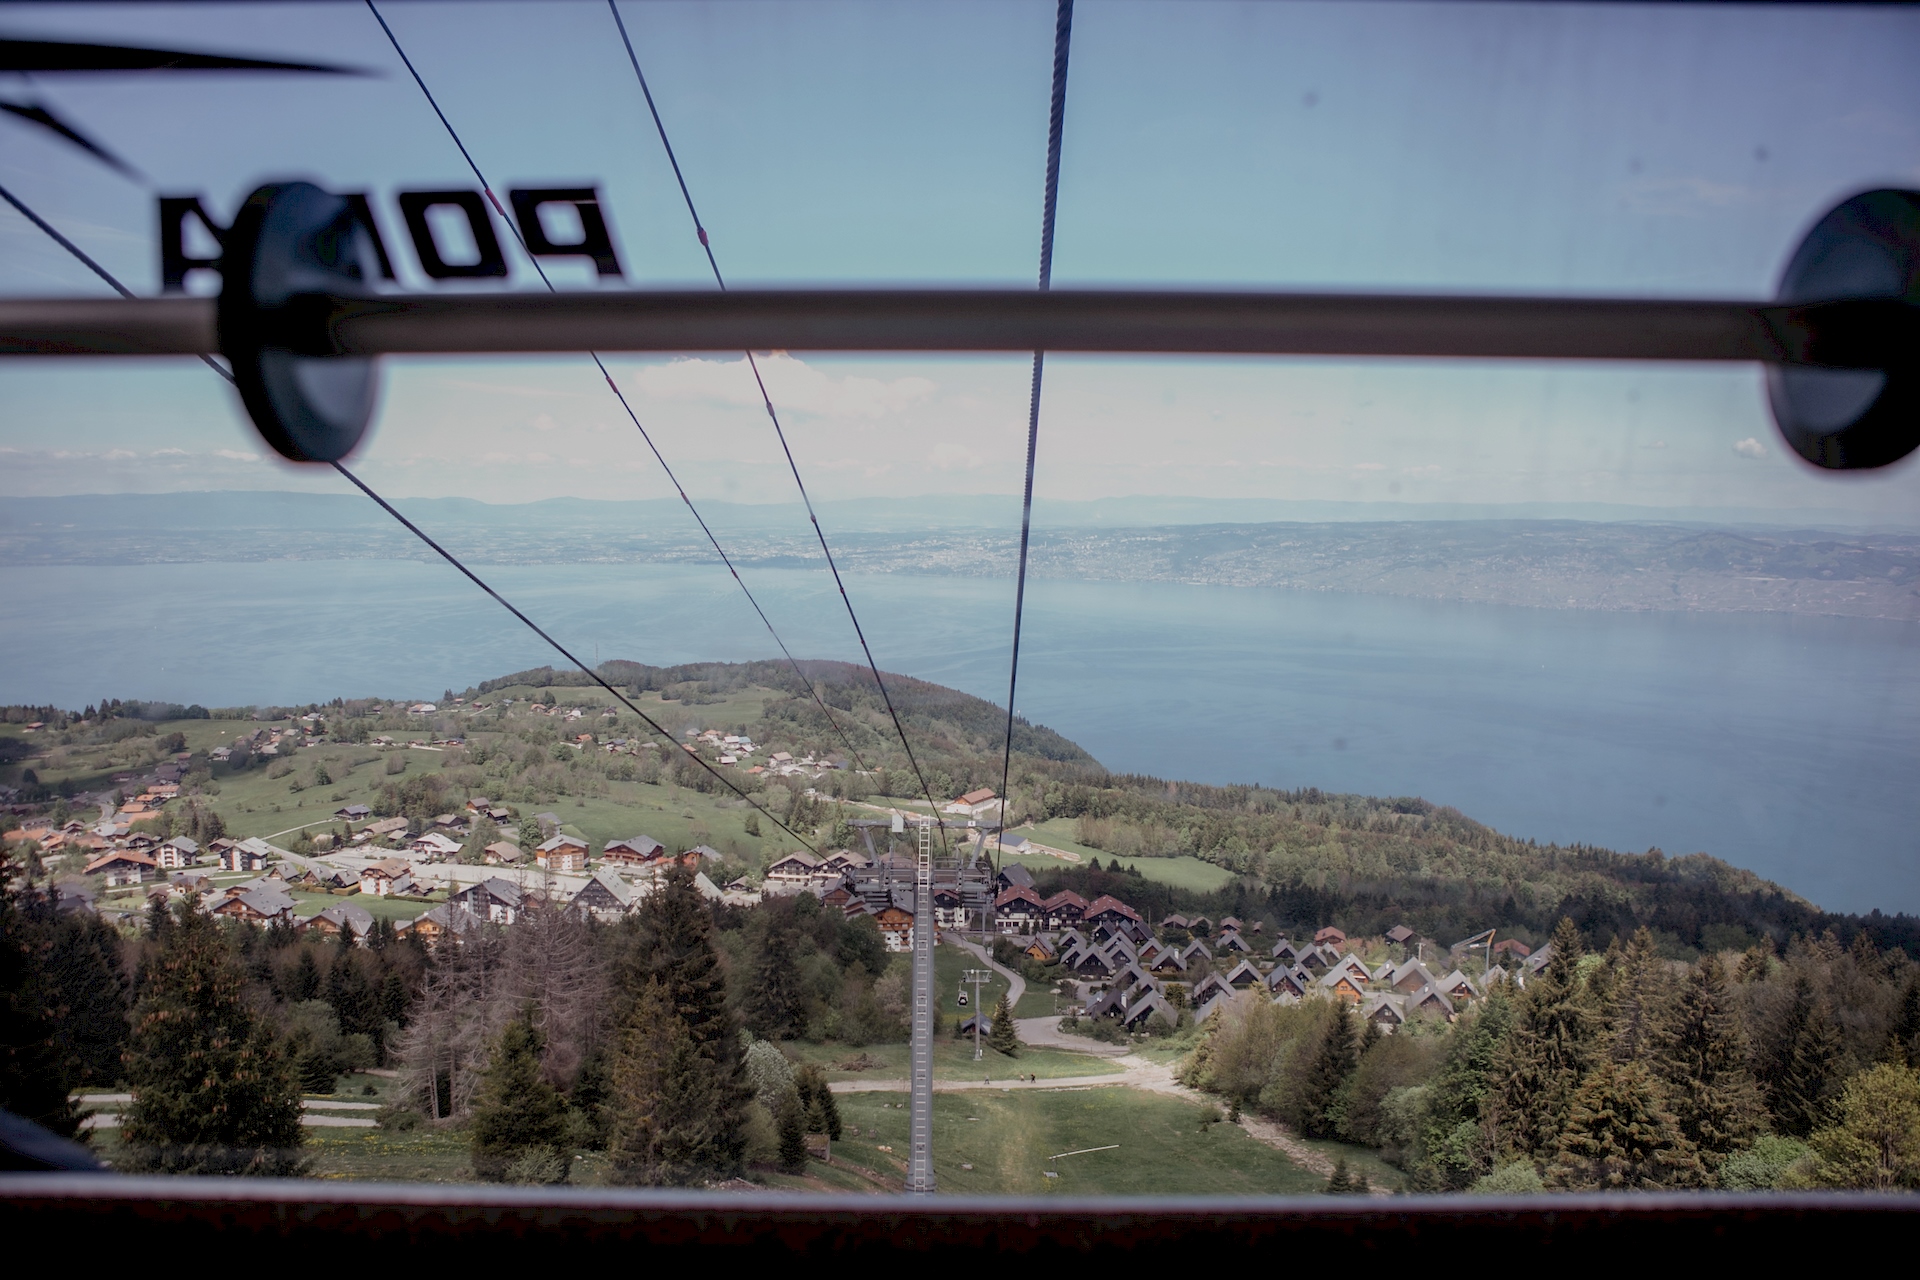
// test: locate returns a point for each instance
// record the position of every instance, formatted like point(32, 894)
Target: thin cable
point(513, 229)
point(559, 648)
point(90, 264)
point(773, 416)
point(1056, 124)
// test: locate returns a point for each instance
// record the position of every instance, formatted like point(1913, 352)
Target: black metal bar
point(1863, 334)
point(494, 1225)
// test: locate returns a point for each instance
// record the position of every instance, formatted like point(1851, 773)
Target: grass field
point(1007, 1138)
point(1183, 872)
point(952, 1060)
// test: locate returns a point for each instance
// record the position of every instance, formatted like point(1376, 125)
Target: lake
point(1789, 745)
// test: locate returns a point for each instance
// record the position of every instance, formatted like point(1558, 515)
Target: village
point(1105, 961)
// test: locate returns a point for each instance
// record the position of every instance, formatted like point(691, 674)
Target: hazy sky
point(1595, 149)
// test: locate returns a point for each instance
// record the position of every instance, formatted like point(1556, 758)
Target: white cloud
point(793, 384)
point(1750, 448)
point(236, 455)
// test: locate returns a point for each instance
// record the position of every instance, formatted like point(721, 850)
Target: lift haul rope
point(514, 229)
point(773, 416)
point(1056, 125)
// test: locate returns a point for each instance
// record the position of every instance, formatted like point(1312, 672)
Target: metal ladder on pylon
point(920, 1161)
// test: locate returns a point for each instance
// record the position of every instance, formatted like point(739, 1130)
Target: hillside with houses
point(418, 902)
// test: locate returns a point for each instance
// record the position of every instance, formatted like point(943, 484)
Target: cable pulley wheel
point(292, 246)
point(1847, 419)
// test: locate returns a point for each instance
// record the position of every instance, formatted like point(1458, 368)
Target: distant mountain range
point(1486, 555)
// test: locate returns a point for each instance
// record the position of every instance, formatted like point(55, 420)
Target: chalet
point(386, 827)
point(440, 923)
point(563, 853)
point(1340, 984)
point(1168, 963)
point(896, 926)
point(1512, 947)
point(634, 851)
point(1458, 986)
point(261, 906)
point(1244, 975)
point(1145, 1010)
point(1064, 909)
point(1120, 946)
point(493, 899)
point(1212, 1003)
point(1409, 977)
point(1536, 961)
point(1385, 1010)
point(1069, 938)
point(797, 870)
point(846, 861)
point(1318, 959)
point(450, 823)
point(949, 907)
point(1018, 910)
point(357, 921)
point(604, 897)
point(1014, 876)
point(1200, 926)
point(1230, 940)
point(1291, 982)
point(975, 804)
point(433, 846)
point(1231, 923)
point(1151, 952)
point(1130, 976)
point(980, 1023)
point(1107, 909)
point(248, 855)
point(1430, 1000)
point(1195, 950)
point(123, 866)
point(1208, 986)
point(178, 852)
point(1091, 962)
point(1355, 967)
point(1041, 949)
point(1174, 922)
point(503, 853)
point(1284, 951)
point(480, 804)
point(1400, 935)
point(1329, 937)
point(385, 876)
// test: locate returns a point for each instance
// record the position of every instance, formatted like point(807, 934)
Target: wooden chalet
point(123, 866)
point(261, 907)
point(503, 853)
point(382, 877)
point(357, 921)
point(896, 926)
point(1400, 935)
point(1329, 936)
point(1041, 949)
point(1244, 975)
point(1064, 909)
point(605, 897)
point(563, 853)
point(634, 851)
point(493, 899)
point(1341, 984)
point(1230, 940)
point(1018, 910)
point(1285, 981)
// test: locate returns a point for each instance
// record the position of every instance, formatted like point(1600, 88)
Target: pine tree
point(304, 982)
point(1004, 1038)
point(33, 1083)
point(1798, 1060)
point(1340, 1183)
point(1453, 1147)
point(1635, 1000)
point(1552, 1045)
point(776, 1004)
point(1904, 1040)
point(517, 1113)
point(1333, 1061)
point(213, 1091)
point(1617, 1136)
point(1702, 1060)
point(671, 1125)
point(823, 1113)
point(792, 1121)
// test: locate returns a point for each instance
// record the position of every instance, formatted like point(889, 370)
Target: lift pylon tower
point(920, 1161)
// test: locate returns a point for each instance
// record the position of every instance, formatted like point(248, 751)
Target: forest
point(1610, 1070)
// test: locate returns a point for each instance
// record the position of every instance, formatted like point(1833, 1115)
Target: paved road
point(1046, 1033)
point(1016, 985)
